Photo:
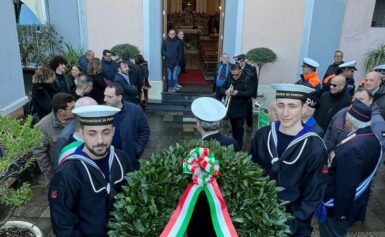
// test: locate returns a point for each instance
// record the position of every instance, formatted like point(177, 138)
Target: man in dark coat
point(132, 130)
point(333, 101)
point(122, 77)
point(251, 73)
point(336, 131)
point(350, 168)
point(293, 156)
point(332, 70)
point(240, 89)
point(338, 60)
point(109, 66)
point(89, 175)
point(172, 53)
point(374, 84)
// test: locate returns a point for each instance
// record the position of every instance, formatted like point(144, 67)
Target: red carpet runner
point(192, 77)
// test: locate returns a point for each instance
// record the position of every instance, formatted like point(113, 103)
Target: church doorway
point(201, 21)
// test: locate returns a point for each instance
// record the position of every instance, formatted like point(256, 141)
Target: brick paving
point(167, 128)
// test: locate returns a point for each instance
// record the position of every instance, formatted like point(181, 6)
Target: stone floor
point(168, 128)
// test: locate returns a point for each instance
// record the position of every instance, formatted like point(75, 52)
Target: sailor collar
point(70, 153)
point(272, 139)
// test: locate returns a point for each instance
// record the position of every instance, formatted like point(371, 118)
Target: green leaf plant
point(152, 194)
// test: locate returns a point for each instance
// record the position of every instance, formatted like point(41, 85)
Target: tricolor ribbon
point(202, 164)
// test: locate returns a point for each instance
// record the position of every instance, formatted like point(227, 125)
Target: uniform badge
point(53, 194)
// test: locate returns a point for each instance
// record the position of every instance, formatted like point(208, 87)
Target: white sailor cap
point(349, 65)
point(308, 62)
point(208, 109)
point(379, 68)
point(96, 114)
point(292, 91)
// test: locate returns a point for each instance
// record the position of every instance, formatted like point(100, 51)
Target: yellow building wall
point(110, 24)
point(276, 25)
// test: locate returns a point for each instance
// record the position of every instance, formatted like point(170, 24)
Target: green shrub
point(17, 140)
point(374, 58)
point(120, 49)
point(261, 56)
point(152, 194)
point(72, 55)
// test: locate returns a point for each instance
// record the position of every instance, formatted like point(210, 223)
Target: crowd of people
point(323, 145)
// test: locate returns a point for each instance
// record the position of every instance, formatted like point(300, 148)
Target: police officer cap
point(292, 91)
point(96, 114)
point(349, 65)
point(308, 62)
point(380, 68)
point(360, 111)
point(208, 109)
point(240, 57)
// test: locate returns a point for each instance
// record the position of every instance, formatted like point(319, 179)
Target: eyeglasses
point(235, 75)
point(335, 85)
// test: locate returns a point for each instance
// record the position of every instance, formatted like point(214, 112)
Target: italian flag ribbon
point(202, 164)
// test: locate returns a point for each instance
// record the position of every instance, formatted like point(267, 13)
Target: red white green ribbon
point(202, 164)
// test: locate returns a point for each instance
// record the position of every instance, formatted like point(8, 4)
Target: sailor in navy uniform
point(293, 155)
point(209, 112)
point(350, 169)
point(89, 175)
point(307, 116)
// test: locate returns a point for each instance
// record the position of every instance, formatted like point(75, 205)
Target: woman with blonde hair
point(43, 91)
point(94, 70)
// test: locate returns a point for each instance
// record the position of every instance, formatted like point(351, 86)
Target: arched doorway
point(202, 23)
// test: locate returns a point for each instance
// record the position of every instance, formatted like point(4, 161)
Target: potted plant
point(152, 194)
point(374, 58)
point(121, 49)
point(261, 56)
point(18, 139)
point(37, 43)
point(72, 55)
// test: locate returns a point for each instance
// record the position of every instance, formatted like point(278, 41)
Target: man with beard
point(132, 130)
point(333, 101)
point(292, 155)
point(123, 78)
point(89, 175)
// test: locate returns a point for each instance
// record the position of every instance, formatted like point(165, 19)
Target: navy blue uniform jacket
point(354, 161)
point(299, 174)
point(223, 140)
point(78, 200)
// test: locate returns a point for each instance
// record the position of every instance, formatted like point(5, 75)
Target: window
point(379, 14)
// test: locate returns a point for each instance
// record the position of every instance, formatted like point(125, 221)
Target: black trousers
point(249, 113)
point(237, 130)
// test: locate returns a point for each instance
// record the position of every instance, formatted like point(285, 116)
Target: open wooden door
point(221, 27)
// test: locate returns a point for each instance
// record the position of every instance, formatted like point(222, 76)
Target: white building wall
point(358, 37)
point(114, 22)
point(276, 25)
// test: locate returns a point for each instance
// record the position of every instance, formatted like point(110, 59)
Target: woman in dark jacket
point(43, 91)
point(143, 69)
point(94, 70)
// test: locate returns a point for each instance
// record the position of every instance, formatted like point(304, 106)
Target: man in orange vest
point(309, 75)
